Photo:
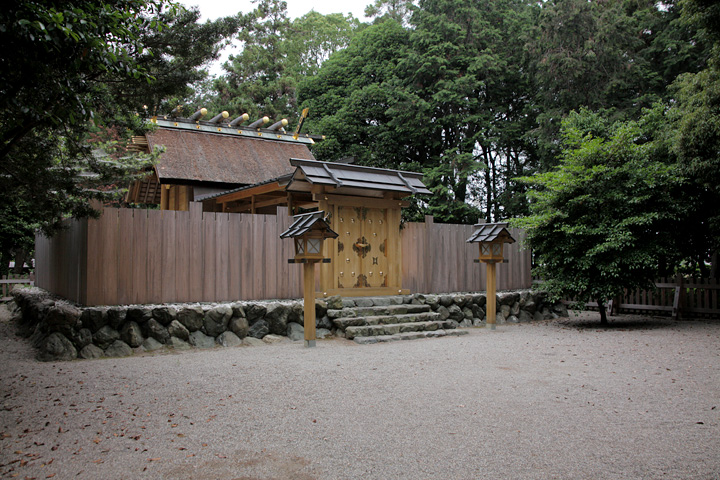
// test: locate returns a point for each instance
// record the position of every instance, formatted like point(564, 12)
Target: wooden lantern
point(491, 237)
point(308, 231)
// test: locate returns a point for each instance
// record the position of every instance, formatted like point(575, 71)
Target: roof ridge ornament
point(332, 175)
point(412, 189)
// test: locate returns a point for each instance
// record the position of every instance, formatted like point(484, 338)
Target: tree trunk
point(20, 256)
point(603, 313)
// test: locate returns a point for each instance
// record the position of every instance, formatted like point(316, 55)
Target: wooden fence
point(132, 256)
point(436, 259)
point(8, 282)
point(677, 297)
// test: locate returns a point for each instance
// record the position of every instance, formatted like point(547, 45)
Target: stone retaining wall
point(61, 330)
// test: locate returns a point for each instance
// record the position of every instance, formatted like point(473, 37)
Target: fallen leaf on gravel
point(51, 475)
point(99, 460)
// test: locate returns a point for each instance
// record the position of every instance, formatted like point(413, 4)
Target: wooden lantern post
point(491, 237)
point(309, 230)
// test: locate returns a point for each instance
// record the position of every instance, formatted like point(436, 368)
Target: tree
point(694, 137)
point(616, 56)
point(74, 45)
point(438, 98)
point(602, 221)
point(276, 53)
point(351, 94)
point(176, 56)
point(398, 10)
point(68, 68)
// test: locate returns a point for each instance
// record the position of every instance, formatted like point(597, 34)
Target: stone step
point(378, 310)
point(344, 322)
point(394, 328)
point(408, 336)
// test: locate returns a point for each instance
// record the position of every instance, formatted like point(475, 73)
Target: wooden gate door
point(365, 258)
point(361, 248)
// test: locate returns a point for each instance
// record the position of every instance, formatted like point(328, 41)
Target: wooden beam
point(353, 201)
point(164, 197)
point(270, 202)
point(250, 192)
point(258, 201)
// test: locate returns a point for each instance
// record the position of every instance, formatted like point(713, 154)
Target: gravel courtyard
point(562, 399)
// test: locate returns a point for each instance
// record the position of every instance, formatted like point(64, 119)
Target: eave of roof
point(347, 176)
point(282, 180)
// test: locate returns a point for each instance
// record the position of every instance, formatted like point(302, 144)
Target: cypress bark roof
point(208, 157)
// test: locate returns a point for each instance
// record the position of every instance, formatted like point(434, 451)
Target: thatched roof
point(196, 156)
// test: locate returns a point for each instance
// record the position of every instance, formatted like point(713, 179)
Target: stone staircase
point(380, 321)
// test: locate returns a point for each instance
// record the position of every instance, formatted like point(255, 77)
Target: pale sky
point(212, 9)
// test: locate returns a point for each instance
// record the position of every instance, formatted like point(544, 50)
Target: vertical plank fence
point(133, 256)
point(436, 259)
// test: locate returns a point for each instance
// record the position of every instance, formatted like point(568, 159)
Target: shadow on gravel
point(620, 323)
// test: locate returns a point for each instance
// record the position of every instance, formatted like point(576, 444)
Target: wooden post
point(678, 300)
point(309, 303)
point(491, 288)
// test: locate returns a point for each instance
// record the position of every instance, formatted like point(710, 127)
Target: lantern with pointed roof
point(491, 237)
point(308, 230)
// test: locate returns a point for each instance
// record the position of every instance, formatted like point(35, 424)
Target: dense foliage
point(605, 219)
point(67, 70)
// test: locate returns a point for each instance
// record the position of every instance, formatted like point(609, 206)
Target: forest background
point(495, 102)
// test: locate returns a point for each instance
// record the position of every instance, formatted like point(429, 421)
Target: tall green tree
point(617, 56)
point(437, 97)
point(275, 54)
point(350, 98)
point(398, 10)
point(694, 137)
point(67, 71)
point(603, 221)
point(177, 56)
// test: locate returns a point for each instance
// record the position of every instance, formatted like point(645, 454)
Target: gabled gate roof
point(347, 177)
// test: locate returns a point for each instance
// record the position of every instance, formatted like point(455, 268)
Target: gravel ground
point(562, 399)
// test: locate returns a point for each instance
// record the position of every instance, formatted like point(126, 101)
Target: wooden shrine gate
point(363, 206)
point(366, 255)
